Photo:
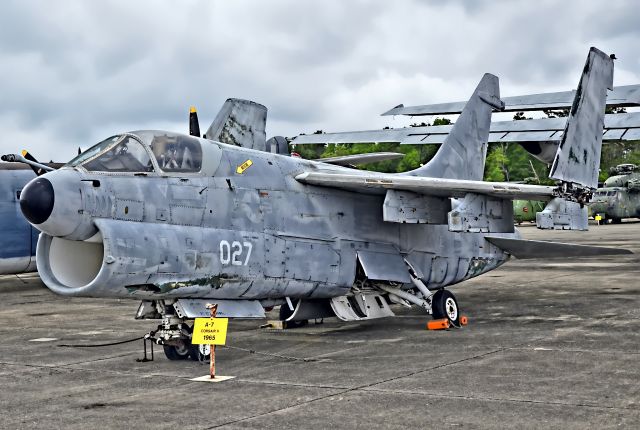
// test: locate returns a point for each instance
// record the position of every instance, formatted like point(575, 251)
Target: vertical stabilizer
point(578, 156)
point(463, 153)
point(241, 123)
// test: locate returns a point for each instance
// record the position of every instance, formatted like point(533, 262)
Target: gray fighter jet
point(180, 221)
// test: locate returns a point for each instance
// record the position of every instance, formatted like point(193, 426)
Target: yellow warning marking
point(210, 331)
point(244, 166)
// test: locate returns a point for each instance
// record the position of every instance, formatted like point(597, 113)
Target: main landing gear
point(445, 305)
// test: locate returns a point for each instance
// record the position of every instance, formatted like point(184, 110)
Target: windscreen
point(93, 151)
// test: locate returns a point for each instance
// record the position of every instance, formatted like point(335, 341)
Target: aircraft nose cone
point(36, 200)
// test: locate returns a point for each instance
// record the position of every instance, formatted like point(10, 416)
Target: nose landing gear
point(174, 335)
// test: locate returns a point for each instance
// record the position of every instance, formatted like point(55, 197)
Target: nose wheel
point(182, 349)
point(445, 305)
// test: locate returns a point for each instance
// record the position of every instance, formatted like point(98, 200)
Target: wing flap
point(522, 248)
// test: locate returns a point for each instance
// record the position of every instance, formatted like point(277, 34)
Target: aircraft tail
point(578, 156)
point(463, 153)
point(241, 123)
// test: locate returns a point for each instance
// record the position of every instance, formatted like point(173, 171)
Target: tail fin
point(241, 123)
point(578, 156)
point(463, 153)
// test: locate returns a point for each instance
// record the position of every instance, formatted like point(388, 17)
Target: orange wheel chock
point(441, 324)
point(464, 320)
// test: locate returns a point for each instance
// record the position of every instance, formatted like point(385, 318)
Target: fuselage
point(233, 224)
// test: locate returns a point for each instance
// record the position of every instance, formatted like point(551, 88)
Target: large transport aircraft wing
point(623, 96)
point(379, 183)
point(616, 127)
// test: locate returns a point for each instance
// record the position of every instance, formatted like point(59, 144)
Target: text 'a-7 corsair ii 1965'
point(180, 221)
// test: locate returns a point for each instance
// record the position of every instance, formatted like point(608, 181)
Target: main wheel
point(177, 352)
point(445, 305)
point(285, 312)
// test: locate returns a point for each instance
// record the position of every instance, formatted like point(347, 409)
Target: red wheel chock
point(444, 323)
point(441, 324)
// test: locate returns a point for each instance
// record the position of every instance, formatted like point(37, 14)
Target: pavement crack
point(358, 388)
point(499, 399)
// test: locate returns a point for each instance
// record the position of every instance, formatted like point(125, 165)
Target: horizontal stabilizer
point(522, 248)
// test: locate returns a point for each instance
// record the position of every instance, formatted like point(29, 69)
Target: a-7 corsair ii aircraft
point(180, 221)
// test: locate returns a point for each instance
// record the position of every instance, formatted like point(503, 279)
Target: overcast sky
point(75, 72)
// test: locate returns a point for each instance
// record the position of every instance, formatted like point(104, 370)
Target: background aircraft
point(619, 198)
point(526, 210)
point(18, 239)
point(539, 137)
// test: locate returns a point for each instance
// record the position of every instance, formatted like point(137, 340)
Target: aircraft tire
point(445, 305)
point(616, 220)
point(176, 352)
point(285, 312)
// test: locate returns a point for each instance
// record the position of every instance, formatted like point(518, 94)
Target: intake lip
point(36, 200)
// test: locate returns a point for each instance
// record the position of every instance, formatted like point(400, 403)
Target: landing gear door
point(380, 266)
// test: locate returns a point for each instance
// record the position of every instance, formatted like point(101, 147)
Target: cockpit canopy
point(132, 152)
point(177, 153)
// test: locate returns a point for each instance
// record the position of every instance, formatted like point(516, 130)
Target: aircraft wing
point(616, 127)
point(371, 157)
point(379, 183)
point(627, 95)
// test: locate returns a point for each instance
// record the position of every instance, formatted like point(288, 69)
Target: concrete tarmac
point(550, 344)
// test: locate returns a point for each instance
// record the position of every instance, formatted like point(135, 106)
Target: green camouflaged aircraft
point(619, 198)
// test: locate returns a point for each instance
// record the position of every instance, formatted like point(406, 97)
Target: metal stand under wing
point(522, 248)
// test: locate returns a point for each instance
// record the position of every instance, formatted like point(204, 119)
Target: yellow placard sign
point(244, 166)
point(598, 218)
point(210, 331)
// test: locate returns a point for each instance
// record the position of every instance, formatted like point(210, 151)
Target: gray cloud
point(73, 72)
